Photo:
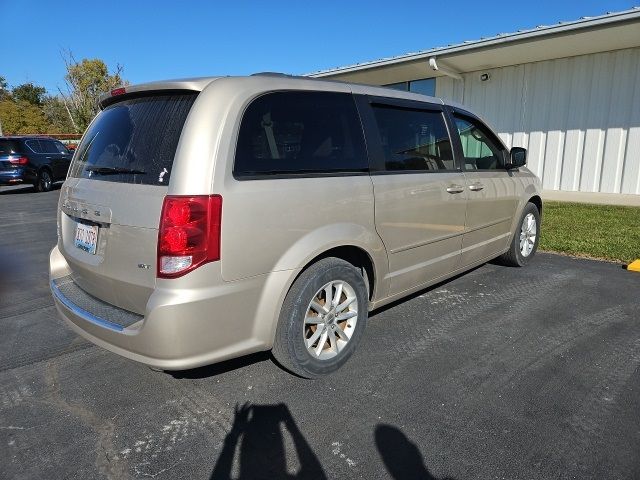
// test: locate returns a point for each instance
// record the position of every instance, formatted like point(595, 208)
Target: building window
point(425, 86)
point(404, 86)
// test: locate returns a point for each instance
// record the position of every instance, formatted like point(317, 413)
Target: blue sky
point(159, 39)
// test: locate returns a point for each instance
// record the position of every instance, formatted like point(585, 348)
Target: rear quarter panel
point(282, 224)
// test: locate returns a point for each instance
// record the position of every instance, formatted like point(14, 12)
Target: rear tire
point(525, 239)
point(44, 183)
point(316, 336)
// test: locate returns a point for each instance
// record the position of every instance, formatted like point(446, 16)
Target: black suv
point(40, 161)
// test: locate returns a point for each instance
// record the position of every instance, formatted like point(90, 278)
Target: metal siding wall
point(579, 117)
point(575, 136)
point(631, 166)
point(449, 88)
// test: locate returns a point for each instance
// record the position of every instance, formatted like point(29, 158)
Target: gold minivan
point(204, 219)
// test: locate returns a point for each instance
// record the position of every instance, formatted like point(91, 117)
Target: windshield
point(134, 141)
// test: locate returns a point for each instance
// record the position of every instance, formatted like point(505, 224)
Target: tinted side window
point(300, 132)
point(61, 148)
point(480, 150)
point(34, 146)
point(48, 146)
point(413, 139)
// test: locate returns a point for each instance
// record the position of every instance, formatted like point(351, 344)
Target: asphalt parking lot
point(499, 373)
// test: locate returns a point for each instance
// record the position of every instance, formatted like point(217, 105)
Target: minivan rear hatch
point(111, 202)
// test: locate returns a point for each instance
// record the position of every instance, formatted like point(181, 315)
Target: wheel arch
point(537, 201)
point(47, 168)
point(356, 256)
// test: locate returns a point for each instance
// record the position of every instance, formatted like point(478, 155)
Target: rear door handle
point(455, 189)
point(476, 187)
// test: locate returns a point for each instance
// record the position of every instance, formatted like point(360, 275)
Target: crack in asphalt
point(107, 460)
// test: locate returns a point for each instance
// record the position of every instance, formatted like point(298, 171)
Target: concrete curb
point(628, 200)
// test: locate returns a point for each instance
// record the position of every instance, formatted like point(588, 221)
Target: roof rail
point(280, 75)
point(270, 74)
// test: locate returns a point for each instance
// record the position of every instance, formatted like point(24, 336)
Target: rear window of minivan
point(134, 140)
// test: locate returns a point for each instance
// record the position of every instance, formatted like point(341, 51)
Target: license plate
point(87, 237)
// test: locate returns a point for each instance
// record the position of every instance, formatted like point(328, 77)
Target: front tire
point(525, 239)
point(322, 319)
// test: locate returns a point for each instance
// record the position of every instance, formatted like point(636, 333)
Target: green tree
point(30, 93)
point(57, 115)
point(4, 95)
point(86, 81)
point(4, 91)
point(20, 117)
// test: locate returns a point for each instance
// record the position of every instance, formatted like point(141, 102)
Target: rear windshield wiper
point(114, 170)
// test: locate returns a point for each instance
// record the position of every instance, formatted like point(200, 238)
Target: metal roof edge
point(540, 31)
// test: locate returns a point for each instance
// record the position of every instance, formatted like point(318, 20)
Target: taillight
point(189, 234)
point(18, 160)
point(118, 91)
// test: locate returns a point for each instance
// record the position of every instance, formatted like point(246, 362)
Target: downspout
point(446, 71)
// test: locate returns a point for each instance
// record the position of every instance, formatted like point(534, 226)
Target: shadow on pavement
point(19, 190)
point(222, 367)
point(401, 456)
point(257, 442)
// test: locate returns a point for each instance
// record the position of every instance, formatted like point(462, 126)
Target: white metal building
point(569, 93)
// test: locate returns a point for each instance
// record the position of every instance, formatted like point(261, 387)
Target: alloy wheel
point(528, 233)
point(45, 181)
point(330, 320)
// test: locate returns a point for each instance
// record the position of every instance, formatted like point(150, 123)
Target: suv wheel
point(525, 239)
point(322, 319)
point(45, 182)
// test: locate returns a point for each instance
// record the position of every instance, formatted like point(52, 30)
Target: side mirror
point(517, 157)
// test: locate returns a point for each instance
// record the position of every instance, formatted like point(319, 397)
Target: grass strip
point(598, 231)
